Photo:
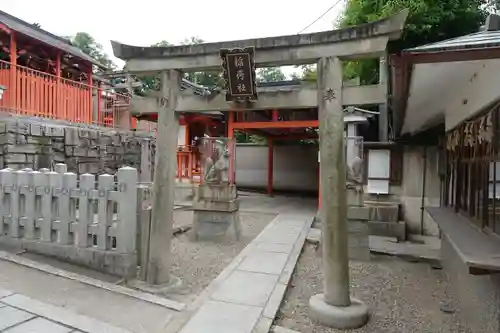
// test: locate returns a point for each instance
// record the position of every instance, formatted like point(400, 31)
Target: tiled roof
point(478, 40)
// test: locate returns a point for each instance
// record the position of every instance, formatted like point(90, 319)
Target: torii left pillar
point(335, 307)
point(160, 257)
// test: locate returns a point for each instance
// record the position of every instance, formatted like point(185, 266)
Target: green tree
point(162, 43)
point(211, 79)
point(270, 74)
point(428, 21)
point(192, 41)
point(90, 46)
point(308, 73)
point(243, 137)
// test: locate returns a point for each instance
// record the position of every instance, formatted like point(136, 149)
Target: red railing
point(34, 93)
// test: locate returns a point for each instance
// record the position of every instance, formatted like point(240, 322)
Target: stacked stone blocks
point(40, 143)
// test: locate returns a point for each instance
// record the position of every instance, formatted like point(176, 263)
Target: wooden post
point(382, 117)
point(159, 262)
point(335, 307)
point(187, 135)
point(13, 73)
point(274, 115)
point(230, 135)
point(60, 113)
point(270, 166)
point(88, 106)
point(319, 187)
point(99, 115)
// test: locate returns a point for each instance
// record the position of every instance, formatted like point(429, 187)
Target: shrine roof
point(391, 26)
point(39, 34)
point(420, 71)
point(477, 40)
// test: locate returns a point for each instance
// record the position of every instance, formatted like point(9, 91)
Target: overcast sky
point(145, 22)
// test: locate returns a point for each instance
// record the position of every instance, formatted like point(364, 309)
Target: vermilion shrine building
point(46, 76)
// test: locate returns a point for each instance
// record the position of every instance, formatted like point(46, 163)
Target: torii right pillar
point(335, 307)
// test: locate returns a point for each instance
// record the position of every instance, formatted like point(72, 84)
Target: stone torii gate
point(335, 307)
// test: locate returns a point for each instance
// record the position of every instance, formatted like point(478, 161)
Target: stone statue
point(216, 167)
point(355, 174)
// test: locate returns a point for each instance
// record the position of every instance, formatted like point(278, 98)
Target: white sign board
point(379, 167)
point(375, 186)
point(379, 163)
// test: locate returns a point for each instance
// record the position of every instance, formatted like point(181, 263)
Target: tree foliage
point(270, 74)
point(90, 46)
point(429, 21)
point(211, 79)
point(243, 137)
point(162, 43)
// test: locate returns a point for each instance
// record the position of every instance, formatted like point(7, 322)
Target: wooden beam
point(295, 136)
point(278, 124)
point(5, 28)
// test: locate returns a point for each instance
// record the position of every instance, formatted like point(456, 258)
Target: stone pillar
point(146, 166)
point(383, 120)
point(334, 308)
point(352, 150)
point(159, 261)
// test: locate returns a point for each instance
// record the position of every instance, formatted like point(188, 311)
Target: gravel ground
point(403, 297)
point(197, 263)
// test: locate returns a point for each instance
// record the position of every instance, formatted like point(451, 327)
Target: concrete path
point(245, 297)
point(278, 204)
point(128, 313)
point(21, 314)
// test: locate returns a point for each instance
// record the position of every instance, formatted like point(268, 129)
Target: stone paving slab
point(246, 288)
point(247, 294)
point(10, 317)
point(264, 262)
point(39, 325)
point(223, 317)
point(21, 314)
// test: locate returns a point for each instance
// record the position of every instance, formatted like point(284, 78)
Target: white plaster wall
point(144, 125)
point(295, 167)
point(181, 136)
point(481, 90)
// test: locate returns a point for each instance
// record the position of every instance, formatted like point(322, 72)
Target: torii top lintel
point(366, 40)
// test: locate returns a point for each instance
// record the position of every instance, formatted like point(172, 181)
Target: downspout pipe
point(424, 185)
